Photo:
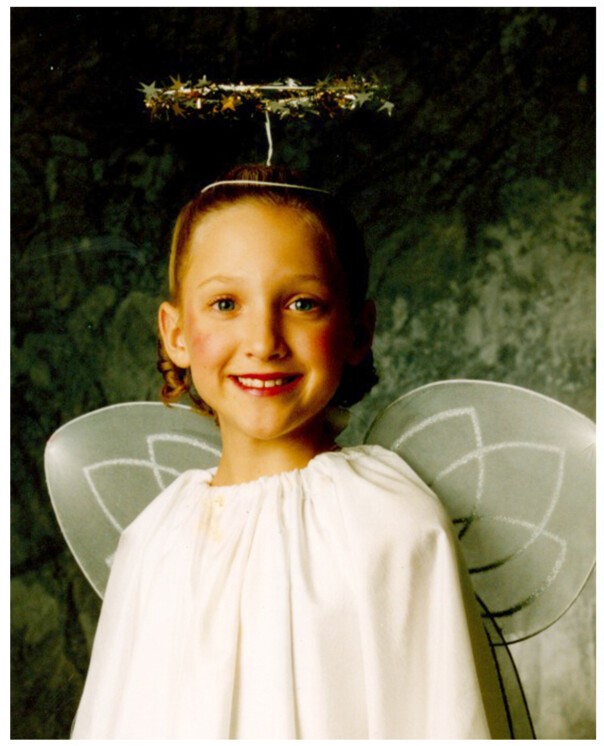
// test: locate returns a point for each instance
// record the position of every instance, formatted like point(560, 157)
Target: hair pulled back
point(345, 242)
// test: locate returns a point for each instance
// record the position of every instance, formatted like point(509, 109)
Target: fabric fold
point(325, 602)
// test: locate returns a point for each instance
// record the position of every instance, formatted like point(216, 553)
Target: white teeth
point(256, 383)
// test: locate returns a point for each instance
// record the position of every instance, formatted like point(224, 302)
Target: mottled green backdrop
point(477, 198)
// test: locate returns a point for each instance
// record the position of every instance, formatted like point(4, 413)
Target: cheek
point(205, 350)
point(327, 346)
point(202, 341)
point(324, 342)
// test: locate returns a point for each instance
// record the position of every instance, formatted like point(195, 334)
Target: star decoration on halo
point(363, 97)
point(178, 84)
point(150, 91)
point(284, 97)
point(228, 103)
point(388, 106)
point(276, 107)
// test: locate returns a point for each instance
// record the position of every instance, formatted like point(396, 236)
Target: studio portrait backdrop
point(475, 190)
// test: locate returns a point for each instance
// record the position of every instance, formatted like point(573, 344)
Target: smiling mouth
point(267, 383)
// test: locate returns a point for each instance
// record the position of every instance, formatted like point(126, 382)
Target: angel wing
point(103, 468)
point(516, 470)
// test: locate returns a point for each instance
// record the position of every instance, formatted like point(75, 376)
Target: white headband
point(250, 182)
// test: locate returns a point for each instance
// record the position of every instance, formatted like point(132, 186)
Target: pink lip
point(267, 391)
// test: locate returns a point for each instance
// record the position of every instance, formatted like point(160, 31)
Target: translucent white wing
point(103, 468)
point(516, 470)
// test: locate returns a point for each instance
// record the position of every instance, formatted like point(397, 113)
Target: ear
point(364, 328)
point(171, 330)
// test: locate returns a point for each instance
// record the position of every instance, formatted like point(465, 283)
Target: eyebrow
point(227, 279)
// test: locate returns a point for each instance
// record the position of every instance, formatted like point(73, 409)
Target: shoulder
point(388, 515)
point(381, 465)
point(386, 486)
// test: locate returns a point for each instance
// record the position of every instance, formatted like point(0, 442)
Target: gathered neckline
point(286, 474)
point(271, 478)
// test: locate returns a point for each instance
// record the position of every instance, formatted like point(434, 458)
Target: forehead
point(242, 216)
point(253, 230)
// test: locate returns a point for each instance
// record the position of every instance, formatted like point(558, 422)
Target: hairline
point(305, 210)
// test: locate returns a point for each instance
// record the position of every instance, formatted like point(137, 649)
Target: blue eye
point(224, 304)
point(304, 304)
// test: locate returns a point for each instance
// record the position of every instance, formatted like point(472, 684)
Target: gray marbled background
point(477, 199)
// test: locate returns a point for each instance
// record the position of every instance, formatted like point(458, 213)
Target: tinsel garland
point(282, 98)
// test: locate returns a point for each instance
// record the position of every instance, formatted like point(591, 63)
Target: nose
point(265, 337)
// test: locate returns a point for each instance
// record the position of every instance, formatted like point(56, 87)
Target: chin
point(268, 434)
point(265, 432)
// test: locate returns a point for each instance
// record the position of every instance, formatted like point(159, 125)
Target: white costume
point(325, 602)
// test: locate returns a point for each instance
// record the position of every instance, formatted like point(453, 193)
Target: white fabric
point(324, 602)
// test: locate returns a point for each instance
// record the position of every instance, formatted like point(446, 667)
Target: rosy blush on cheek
point(207, 358)
point(323, 343)
point(326, 345)
point(205, 349)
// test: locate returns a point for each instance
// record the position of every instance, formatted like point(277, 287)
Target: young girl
point(298, 590)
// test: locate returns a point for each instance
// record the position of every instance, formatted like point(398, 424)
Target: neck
point(244, 459)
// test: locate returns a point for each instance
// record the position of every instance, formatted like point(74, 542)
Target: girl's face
point(263, 321)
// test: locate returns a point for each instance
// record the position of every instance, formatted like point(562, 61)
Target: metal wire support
point(269, 138)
